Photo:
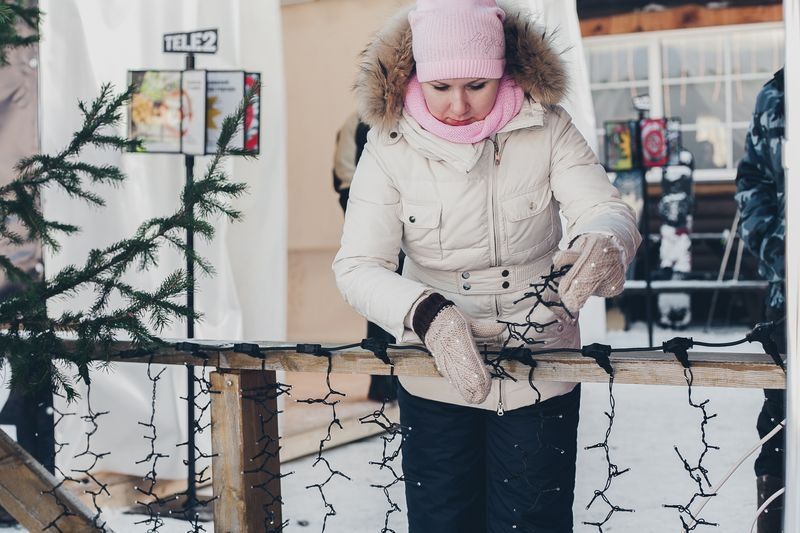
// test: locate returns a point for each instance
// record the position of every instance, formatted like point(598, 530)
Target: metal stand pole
point(648, 276)
point(191, 459)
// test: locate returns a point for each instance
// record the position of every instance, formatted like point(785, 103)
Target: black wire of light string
point(320, 350)
point(421, 348)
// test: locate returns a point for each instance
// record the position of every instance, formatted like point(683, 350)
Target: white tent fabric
point(561, 17)
point(89, 42)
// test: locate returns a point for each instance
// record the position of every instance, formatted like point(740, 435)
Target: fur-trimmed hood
point(388, 62)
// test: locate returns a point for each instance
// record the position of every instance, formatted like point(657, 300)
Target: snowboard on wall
point(675, 208)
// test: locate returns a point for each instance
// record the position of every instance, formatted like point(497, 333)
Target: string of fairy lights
point(517, 348)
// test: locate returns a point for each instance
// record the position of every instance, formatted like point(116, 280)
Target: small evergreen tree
point(31, 341)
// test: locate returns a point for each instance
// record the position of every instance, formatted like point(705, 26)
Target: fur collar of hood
point(388, 62)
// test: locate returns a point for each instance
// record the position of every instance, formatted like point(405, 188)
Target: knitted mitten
point(597, 269)
point(449, 335)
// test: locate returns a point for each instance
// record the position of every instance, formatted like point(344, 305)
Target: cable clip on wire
point(188, 347)
point(378, 348)
point(523, 354)
point(601, 353)
point(312, 349)
point(762, 333)
point(679, 347)
point(248, 348)
point(193, 348)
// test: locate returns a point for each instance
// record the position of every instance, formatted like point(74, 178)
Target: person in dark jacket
point(760, 195)
point(350, 142)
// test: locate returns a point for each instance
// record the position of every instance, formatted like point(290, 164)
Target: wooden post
point(23, 482)
point(246, 462)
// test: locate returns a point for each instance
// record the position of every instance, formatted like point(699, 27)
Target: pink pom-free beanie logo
point(483, 43)
point(458, 39)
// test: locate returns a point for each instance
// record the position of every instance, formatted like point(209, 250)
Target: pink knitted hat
point(458, 39)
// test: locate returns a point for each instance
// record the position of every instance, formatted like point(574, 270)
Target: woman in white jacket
point(468, 163)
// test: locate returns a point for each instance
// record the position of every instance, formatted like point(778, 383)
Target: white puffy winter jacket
point(478, 222)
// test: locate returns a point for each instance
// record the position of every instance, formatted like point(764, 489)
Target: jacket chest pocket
point(422, 225)
point(528, 221)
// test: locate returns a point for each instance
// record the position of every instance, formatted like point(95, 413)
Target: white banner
point(86, 43)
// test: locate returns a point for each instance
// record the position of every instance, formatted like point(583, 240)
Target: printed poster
point(654, 142)
point(224, 93)
point(621, 147)
point(155, 110)
point(252, 119)
point(193, 112)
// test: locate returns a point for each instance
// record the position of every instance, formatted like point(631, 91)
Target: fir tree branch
point(31, 342)
point(10, 38)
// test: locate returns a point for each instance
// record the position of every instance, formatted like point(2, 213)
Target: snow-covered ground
point(649, 422)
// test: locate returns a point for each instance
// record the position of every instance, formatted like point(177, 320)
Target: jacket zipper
point(500, 410)
point(496, 258)
point(492, 206)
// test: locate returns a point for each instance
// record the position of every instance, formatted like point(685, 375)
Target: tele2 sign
point(195, 42)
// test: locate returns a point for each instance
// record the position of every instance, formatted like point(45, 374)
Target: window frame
point(657, 82)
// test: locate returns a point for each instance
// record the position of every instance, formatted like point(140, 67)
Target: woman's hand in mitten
point(597, 269)
point(450, 337)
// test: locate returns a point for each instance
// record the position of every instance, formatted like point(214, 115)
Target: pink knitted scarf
point(506, 106)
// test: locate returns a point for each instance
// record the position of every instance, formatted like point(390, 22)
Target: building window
point(706, 77)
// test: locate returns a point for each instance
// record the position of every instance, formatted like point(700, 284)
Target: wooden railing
point(235, 422)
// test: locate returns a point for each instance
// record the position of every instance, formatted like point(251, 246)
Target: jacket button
point(467, 286)
point(505, 273)
point(465, 275)
point(560, 328)
point(412, 219)
point(506, 284)
point(393, 135)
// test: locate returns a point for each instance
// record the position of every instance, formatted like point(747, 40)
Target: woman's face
point(460, 101)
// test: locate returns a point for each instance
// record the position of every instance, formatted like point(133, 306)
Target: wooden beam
point(648, 368)
point(23, 483)
point(246, 463)
point(715, 369)
point(690, 16)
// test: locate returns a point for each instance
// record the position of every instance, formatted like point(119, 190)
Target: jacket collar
point(464, 157)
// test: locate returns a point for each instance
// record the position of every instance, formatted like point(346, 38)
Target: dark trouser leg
point(531, 466)
point(769, 464)
point(443, 466)
point(770, 460)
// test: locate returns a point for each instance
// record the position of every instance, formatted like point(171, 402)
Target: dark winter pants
point(770, 460)
point(469, 470)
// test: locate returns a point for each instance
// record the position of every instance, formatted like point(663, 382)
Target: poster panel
point(155, 110)
point(252, 118)
point(654, 142)
point(620, 145)
point(224, 92)
point(193, 112)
